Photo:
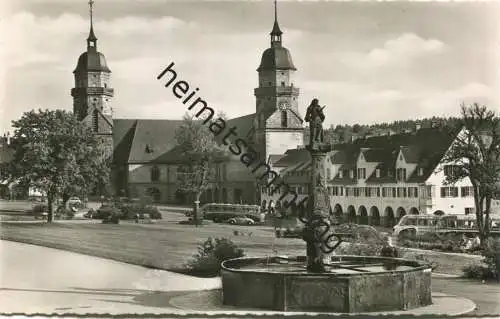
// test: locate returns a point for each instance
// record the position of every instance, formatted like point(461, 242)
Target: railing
point(92, 90)
point(279, 90)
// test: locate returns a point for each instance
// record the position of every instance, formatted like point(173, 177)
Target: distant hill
point(345, 133)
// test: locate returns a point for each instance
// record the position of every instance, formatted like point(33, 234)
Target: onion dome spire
point(92, 39)
point(276, 31)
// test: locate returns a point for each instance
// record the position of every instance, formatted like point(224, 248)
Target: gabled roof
point(273, 158)
point(143, 141)
point(383, 177)
point(425, 148)
point(410, 153)
point(376, 154)
point(294, 156)
point(243, 124)
point(123, 136)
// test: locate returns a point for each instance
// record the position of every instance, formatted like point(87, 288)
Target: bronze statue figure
point(315, 117)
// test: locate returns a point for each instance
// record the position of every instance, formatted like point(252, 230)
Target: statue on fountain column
point(315, 117)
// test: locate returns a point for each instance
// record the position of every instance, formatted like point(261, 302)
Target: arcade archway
point(351, 214)
point(390, 220)
point(363, 215)
point(375, 216)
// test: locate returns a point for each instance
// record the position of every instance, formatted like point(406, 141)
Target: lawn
point(169, 245)
point(164, 245)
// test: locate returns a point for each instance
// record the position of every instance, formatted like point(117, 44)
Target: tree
point(56, 154)
point(476, 156)
point(356, 128)
point(198, 149)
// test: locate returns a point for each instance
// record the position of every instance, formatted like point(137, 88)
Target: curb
point(443, 305)
point(437, 274)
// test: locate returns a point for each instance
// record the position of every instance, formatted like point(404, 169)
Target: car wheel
point(232, 222)
point(249, 223)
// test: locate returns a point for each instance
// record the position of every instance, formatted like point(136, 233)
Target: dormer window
point(420, 171)
point(377, 173)
point(149, 149)
point(361, 173)
point(401, 174)
point(341, 174)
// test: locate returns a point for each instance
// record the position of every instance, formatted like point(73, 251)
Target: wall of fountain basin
point(351, 284)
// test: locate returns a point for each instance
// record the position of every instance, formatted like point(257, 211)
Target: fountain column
point(318, 226)
point(319, 209)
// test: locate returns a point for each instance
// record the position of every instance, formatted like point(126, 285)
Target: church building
point(145, 160)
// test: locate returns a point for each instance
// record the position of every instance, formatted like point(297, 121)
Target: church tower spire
point(92, 93)
point(276, 31)
point(278, 124)
point(92, 39)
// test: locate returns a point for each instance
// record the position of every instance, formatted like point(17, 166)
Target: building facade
point(145, 161)
point(377, 180)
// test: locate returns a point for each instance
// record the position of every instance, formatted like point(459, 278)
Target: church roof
point(142, 141)
point(153, 141)
point(276, 58)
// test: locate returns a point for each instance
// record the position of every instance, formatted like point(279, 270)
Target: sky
point(367, 61)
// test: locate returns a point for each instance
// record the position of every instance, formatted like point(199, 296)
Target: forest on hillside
point(344, 133)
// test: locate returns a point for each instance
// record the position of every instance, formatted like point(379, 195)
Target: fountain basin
point(351, 284)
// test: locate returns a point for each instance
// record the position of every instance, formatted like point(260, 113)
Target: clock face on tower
point(284, 105)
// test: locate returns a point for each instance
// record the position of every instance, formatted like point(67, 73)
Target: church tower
point(92, 94)
point(278, 125)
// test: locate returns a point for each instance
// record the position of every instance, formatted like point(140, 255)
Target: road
point(39, 279)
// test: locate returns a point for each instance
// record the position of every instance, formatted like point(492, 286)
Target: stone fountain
point(322, 281)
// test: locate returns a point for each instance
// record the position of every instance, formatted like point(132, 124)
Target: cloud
point(399, 51)
point(131, 26)
point(448, 102)
point(38, 39)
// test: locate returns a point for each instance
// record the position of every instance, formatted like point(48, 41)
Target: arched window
point(155, 174)
point(95, 120)
point(284, 119)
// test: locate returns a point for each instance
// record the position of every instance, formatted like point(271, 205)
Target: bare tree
point(475, 154)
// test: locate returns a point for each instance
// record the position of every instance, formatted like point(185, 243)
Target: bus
point(412, 225)
point(222, 212)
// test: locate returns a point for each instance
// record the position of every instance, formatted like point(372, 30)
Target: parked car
point(289, 232)
point(241, 220)
point(105, 211)
point(89, 214)
point(74, 201)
